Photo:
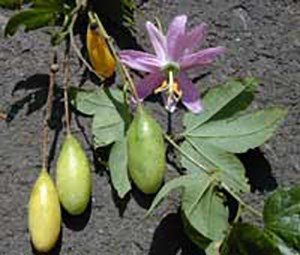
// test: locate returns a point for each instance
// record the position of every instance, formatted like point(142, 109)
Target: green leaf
point(194, 235)
point(245, 239)
point(108, 110)
point(12, 4)
point(282, 246)
point(204, 208)
point(241, 102)
point(31, 19)
point(118, 167)
point(238, 134)
point(179, 182)
point(282, 215)
point(221, 102)
point(227, 167)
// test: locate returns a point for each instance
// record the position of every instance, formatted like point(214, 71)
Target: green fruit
point(73, 177)
point(146, 152)
point(44, 217)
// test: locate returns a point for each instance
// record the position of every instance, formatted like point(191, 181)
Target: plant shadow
point(169, 238)
point(78, 222)
point(258, 171)
point(37, 88)
point(34, 98)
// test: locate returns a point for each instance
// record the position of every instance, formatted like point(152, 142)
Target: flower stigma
point(172, 87)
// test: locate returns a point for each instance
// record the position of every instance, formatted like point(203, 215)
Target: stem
point(242, 203)
point(125, 74)
point(53, 70)
point(169, 139)
point(65, 87)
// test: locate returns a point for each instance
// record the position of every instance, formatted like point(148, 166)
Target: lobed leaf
point(282, 215)
point(238, 134)
point(227, 167)
point(177, 183)
point(245, 239)
point(108, 111)
point(204, 208)
point(221, 102)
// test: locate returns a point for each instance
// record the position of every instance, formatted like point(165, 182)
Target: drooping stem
point(124, 71)
point(52, 73)
point(65, 88)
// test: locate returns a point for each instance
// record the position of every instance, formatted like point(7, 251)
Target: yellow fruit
point(146, 152)
point(73, 176)
point(99, 53)
point(44, 216)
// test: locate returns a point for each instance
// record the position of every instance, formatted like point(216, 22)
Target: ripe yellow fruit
point(44, 215)
point(73, 177)
point(99, 53)
point(146, 152)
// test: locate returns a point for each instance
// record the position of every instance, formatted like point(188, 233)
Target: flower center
point(171, 67)
point(172, 88)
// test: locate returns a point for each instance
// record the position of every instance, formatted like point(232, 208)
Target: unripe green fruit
point(44, 216)
point(73, 177)
point(146, 152)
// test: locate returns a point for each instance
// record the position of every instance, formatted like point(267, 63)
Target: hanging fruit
point(73, 177)
point(44, 215)
point(99, 54)
point(146, 152)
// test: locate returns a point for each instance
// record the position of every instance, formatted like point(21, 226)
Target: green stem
point(202, 167)
point(65, 88)
point(242, 203)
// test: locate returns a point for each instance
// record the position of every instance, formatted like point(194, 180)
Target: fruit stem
point(77, 50)
point(65, 87)
point(124, 71)
point(52, 73)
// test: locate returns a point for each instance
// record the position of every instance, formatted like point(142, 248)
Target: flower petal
point(202, 57)
point(190, 98)
point(175, 37)
point(140, 61)
point(146, 85)
point(158, 41)
point(195, 37)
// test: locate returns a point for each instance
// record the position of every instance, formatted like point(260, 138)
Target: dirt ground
point(263, 39)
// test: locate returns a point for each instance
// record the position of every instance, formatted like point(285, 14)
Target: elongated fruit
point(99, 53)
point(146, 152)
point(44, 217)
point(73, 176)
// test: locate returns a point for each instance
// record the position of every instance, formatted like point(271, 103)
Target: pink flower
point(173, 57)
